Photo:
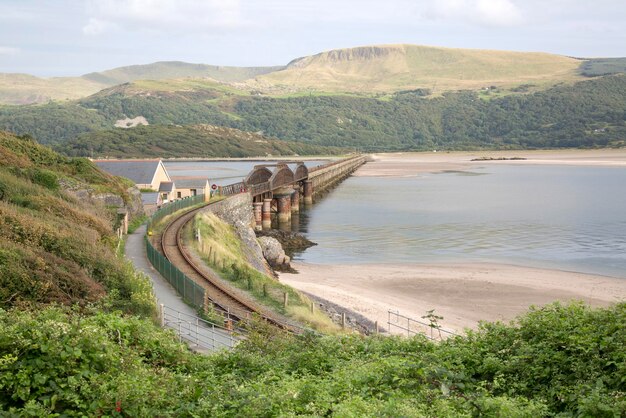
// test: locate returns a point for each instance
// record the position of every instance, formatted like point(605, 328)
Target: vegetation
point(555, 361)
point(76, 338)
point(221, 249)
point(199, 141)
point(55, 247)
point(603, 66)
point(588, 114)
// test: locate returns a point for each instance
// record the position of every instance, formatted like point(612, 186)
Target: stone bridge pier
point(281, 191)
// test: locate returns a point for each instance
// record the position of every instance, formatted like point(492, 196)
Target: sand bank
point(412, 163)
point(462, 293)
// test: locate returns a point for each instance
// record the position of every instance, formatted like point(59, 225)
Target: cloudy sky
point(73, 37)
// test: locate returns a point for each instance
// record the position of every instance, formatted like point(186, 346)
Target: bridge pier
point(308, 192)
point(258, 215)
point(266, 214)
point(295, 201)
point(283, 202)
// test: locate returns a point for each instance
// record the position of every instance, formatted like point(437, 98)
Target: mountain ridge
point(372, 69)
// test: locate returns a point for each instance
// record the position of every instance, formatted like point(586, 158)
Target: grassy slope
point(17, 89)
point(404, 67)
point(55, 247)
point(176, 69)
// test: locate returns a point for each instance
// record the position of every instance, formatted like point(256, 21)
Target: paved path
point(179, 316)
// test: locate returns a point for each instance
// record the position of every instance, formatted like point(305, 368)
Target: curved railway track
point(223, 298)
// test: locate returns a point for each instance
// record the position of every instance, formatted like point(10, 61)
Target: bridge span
point(276, 188)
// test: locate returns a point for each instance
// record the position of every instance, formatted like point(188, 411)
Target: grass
point(401, 67)
point(221, 249)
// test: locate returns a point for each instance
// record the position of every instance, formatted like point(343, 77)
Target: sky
point(73, 37)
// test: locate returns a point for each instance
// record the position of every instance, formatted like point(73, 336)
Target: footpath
point(179, 316)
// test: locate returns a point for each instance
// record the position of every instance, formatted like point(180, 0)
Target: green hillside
point(586, 114)
point(603, 66)
point(54, 246)
point(196, 141)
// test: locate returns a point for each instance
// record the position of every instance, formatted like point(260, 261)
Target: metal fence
point(191, 292)
point(197, 331)
point(432, 330)
point(169, 208)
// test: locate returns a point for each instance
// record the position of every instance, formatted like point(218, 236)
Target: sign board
point(214, 187)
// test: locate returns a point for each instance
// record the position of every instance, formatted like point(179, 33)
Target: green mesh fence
point(175, 206)
point(191, 292)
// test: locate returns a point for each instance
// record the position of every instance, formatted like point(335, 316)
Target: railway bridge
point(277, 188)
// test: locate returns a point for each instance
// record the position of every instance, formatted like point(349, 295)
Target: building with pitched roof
point(148, 175)
point(191, 186)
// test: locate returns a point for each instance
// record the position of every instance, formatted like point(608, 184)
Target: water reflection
point(562, 217)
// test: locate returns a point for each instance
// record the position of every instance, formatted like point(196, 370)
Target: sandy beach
point(463, 294)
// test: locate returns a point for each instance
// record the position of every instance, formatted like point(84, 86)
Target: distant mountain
point(19, 89)
point(176, 69)
point(390, 68)
point(367, 70)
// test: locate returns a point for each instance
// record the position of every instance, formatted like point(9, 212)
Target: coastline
point(463, 293)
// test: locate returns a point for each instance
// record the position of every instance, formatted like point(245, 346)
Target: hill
point(57, 240)
point(365, 70)
point(176, 69)
point(586, 114)
point(390, 68)
point(20, 89)
point(196, 141)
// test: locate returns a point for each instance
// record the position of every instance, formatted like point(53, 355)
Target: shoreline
point(404, 164)
point(463, 293)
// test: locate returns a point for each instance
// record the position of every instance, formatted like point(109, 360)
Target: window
point(179, 194)
point(194, 192)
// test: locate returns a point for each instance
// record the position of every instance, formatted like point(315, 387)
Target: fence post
point(285, 299)
point(376, 329)
point(162, 314)
point(343, 320)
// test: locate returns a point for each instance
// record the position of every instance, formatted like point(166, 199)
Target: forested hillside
point(588, 114)
point(198, 141)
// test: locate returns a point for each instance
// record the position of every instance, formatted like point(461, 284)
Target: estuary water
point(222, 173)
point(563, 217)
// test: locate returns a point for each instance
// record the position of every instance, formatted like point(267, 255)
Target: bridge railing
point(232, 189)
point(334, 163)
point(197, 331)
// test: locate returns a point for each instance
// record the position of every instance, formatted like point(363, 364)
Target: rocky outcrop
point(291, 242)
point(274, 253)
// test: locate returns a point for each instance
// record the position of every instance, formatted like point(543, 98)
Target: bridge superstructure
point(276, 188)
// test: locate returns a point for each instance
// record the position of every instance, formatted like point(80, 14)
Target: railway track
point(232, 305)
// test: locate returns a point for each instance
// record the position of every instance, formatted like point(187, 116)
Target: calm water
point(221, 172)
point(571, 218)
